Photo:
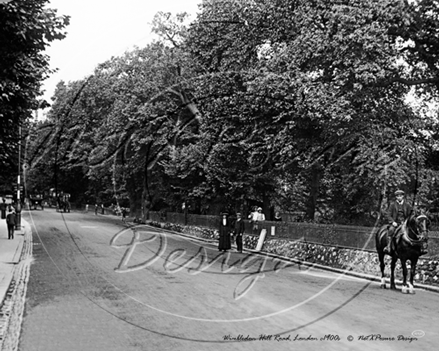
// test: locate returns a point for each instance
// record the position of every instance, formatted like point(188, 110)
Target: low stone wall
point(355, 260)
point(366, 262)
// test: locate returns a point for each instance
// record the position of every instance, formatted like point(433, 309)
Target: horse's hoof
point(383, 286)
point(411, 291)
point(404, 290)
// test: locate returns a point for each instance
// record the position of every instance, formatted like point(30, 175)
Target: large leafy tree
point(327, 73)
point(27, 28)
point(299, 104)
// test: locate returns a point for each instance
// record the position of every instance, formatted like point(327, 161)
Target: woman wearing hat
point(224, 241)
point(256, 217)
point(398, 211)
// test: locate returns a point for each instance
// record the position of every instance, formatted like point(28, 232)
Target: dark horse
point(409, 239)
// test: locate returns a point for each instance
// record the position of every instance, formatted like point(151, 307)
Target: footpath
point(10, 254)
point(15, 259)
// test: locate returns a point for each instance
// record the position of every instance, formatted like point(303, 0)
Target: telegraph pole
point(18, 209)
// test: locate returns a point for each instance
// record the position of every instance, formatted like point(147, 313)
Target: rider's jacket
point(398, 213)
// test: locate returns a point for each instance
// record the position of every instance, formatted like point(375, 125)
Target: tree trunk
point(315, 179)
point(145, 195)
point(266, 206)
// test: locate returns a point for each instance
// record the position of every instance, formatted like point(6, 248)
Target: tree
point(329, 71)
point(301, 104)
point(27, 29)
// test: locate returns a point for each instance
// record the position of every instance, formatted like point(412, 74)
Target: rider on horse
point(398, 212)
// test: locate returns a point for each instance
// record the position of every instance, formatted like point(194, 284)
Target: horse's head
point(418, 227)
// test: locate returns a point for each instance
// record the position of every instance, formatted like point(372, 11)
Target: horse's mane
point(411, 223)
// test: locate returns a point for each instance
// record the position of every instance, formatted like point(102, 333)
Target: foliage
point(297, 105)
point(27, 29)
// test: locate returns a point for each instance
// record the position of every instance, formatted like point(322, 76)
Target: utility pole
point(18, 209)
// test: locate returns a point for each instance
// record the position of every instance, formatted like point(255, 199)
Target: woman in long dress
point(224, 241)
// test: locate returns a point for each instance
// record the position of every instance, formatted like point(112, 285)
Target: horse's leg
point(393, 267)
point(382, 269)
point(405, 273)
point(412, 274)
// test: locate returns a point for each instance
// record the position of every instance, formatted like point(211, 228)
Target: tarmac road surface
point(97, 285)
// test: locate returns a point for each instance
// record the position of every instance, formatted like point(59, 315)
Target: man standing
point(238, 232)
point(11, 222)
point(398, 211)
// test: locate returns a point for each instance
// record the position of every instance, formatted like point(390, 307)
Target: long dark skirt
point(224, 241)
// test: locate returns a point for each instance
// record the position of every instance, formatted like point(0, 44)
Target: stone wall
point(355, 260)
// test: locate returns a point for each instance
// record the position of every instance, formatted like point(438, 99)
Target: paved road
point(98, 285)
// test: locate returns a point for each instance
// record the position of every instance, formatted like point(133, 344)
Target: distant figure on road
point(96, 209)
point(11, 222)
point(124, 213)
point(224, 241)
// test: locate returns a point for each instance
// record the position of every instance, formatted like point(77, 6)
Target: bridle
point(421, 236)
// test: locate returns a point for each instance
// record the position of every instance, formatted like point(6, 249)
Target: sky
point(100, 29)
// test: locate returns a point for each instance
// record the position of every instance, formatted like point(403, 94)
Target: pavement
point(10, 254)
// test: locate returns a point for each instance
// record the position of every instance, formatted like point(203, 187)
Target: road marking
point(88, 226)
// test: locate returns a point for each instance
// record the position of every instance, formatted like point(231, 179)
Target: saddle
point(398, 234)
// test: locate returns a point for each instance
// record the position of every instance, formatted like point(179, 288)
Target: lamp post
point(18, 209)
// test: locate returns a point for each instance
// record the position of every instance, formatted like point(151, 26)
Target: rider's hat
point(399, 192)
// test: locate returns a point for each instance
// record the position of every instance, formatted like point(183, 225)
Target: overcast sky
point(100, 29)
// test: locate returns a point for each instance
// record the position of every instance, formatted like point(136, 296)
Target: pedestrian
point(102, 208)
point(96, 209)
point(224, 241)
point(3, 208)
point(238, 232)
point(277, 217)
point(398, 211)
point(256, 217)
point(11, 222)
point(124, 214)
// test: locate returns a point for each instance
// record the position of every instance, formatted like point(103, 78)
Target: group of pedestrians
point(230, 229)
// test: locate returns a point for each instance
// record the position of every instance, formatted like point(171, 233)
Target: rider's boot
point(390, 233)
point(387, 248)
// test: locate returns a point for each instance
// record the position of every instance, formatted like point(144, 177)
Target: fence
point(327, 234)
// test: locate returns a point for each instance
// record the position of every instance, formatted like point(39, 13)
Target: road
point(97, 284)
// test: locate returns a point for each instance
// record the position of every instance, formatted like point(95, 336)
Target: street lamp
point(18, 209)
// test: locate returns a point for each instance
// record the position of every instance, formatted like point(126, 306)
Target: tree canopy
point(27, 29)
point(294, 105)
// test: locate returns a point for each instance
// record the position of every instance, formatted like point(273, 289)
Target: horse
point(409, 240)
